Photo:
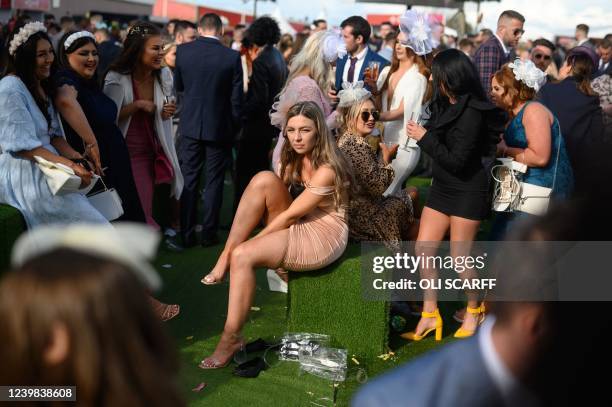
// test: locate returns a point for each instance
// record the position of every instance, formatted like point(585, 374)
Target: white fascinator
point(352, 93)
point(528, 73)
point(416, 32)
point(130, 244)
point(333, 46)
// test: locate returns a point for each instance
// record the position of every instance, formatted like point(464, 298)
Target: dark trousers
point(193, 155)
point(253, 157)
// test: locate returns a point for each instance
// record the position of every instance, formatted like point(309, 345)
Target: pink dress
point(319, 238)
point(300, 89)
point(144, 148)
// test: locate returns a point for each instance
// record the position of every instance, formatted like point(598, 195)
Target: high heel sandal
point(438, 328)
point(479, 312)
point(212, 363)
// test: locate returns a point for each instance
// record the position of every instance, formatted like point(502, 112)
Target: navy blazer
point(370, 56)
point(453, 375)
point(210, 77)
point(581, 121)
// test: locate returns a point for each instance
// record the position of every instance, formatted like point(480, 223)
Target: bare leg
point(264, 198)
point(463, 232)
point(433, 227)
point(266, 251)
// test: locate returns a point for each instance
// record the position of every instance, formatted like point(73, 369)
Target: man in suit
point(356, 32)
point(604, 50)
point(210, 77)
point(268, 78)
point(582, 36)
point(495, 52)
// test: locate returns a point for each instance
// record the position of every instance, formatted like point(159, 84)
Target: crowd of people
point(320, 134)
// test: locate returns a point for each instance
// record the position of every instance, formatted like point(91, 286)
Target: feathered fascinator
point(352, 93)
point(333, 46)
point(416, 32)
point(24, 34)
point(528, 73)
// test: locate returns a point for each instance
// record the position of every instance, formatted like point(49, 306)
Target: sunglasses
point(542, 56)
point(365, 115)
point(518, 31)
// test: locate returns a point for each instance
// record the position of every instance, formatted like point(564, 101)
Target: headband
point(75, 36)
point(24, 35)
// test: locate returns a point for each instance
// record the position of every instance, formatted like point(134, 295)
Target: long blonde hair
point(311, 57)
point(325, 152)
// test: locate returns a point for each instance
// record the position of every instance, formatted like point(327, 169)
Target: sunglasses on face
point(542, 56)
point(518, 31)
point(365, 115)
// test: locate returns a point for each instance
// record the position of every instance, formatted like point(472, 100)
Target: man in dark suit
point(210, 77)
point(268, 78)
point(356, 32)
point(582, 36)
point(108, 49)
point(604, 50)
point(495, 52)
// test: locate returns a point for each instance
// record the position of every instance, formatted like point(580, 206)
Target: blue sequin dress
point(22, 184)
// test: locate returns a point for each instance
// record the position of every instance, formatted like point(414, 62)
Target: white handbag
point(61, 179)
point(107, 202)
point(511, 194)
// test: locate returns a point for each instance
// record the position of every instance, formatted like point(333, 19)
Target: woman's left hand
point(168, 111)
point(415, 131)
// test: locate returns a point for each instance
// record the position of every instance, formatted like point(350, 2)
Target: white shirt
point(358, 64)
point(506, 52)
point(211, 36)
point(509, 387)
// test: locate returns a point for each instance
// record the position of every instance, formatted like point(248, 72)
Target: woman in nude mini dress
point(304, 211)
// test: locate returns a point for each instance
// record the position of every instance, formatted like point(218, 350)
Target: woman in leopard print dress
point(373, 217)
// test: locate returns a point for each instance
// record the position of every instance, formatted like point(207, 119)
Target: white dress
point(410, 89)
point(23, 185)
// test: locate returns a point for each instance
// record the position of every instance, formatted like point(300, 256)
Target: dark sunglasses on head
point(519, 31)
point(365, 115)
point(542, 56)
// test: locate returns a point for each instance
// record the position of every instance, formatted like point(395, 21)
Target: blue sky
point(544, 18)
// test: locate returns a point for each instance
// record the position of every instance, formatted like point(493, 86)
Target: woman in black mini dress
point(460, 138)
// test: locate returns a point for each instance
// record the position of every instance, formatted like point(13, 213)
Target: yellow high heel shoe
point(413, 336)
point(479, 312)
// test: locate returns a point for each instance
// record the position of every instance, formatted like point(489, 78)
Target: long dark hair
point(119, 352)
point(63, 52)
point(454, 75)
point(133, 48)
point(582, 70)
point(23, 65)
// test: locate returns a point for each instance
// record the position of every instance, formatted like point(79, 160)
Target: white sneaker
point(275, 282)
